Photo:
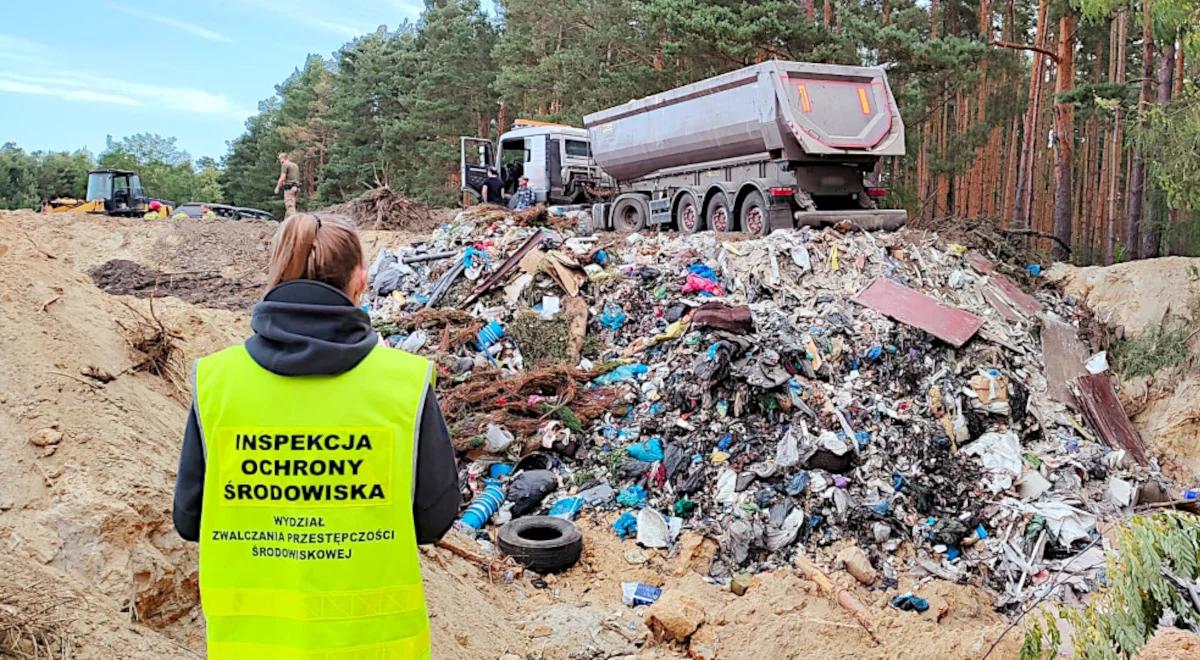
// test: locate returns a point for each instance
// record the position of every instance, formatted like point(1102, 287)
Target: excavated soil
point(90, 444)
point(1131, 300)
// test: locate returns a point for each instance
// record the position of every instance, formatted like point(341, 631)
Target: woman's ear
point(358, 285)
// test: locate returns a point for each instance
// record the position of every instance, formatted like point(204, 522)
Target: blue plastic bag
point(910, 602)
point(632, 496)
point(567, 508)
point(626, 525)
point(650, 451)
point(623, 372)
point(612, 318)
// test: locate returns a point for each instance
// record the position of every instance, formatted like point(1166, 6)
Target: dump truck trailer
point(768, 146)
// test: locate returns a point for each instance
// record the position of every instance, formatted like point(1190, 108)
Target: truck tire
point(753, 216)
point(629, 214)
point(717, 214)
point(688, 217)
point(541, 543)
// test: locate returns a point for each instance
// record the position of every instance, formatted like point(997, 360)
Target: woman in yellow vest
point(314, 462)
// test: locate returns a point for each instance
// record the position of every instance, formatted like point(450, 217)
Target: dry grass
point(34, 622)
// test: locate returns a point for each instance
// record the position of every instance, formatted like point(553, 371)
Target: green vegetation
point(1145, 354)
point(27, 180)
point(1157, 556)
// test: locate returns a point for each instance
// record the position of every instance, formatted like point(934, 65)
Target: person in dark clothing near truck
point(314, 461)
point(492, 190)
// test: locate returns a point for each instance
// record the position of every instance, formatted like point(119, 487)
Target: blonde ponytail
point(311, 248)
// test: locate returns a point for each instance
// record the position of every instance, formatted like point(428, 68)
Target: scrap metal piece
point(505, 268)
point(1097, 395)
point(950, 324)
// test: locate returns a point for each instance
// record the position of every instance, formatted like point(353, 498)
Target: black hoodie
point(305, 328)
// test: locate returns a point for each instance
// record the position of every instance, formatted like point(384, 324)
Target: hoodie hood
point(308, 328)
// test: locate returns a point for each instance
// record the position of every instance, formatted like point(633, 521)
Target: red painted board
point(1097, 396)
point(950, 324)
point(1015, 295)
point(980, 263)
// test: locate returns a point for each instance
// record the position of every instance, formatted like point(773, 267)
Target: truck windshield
point(135, 186)
point(99, 185)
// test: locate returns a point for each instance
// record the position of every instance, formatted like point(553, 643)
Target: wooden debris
point(839, 595)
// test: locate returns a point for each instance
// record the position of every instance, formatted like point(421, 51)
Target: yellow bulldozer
point(112, 192)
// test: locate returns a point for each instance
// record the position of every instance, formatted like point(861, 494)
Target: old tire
point(629, 214)
point(541, 543)
point(717, 214)
point(688, 217)
point(753, 216)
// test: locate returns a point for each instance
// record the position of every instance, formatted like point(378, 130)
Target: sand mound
point(1131, 300)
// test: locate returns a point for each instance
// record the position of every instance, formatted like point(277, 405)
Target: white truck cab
point(556, 158)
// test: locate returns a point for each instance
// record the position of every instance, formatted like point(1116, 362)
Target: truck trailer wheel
point(718, 215)
point(629, 214)
point(753, 217)
point(688, 217)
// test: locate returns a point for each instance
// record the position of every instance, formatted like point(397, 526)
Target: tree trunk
point(1117, 145)
point(1152, 231)
point(1137, 172)
point(934, 17)
point(828, 13)
point(886, 12)
point(1064, 135)
point(810, 10)
point(1023, 206)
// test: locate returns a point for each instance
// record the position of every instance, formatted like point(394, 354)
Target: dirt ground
point(91, 444)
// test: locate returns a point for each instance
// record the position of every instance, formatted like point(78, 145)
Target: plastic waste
point(1000, 454)
point(636, 594)
point(650, 451)
point(1098, 363)
point(910, 602)
point(484, 506)
point(654, 530)
point(497, 439)
point(621, 373)
point(787, 453)
point(612, 318)
point(601, 257)
point(1034, 269)
point(632, 496)
point(798, 483)
point(414, 342)
point(567, 508)
point(597, 495)
point(625, 525)
point(529, 488)
point(489, 334)
point(696, 283)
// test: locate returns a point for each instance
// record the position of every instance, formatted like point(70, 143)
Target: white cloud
point(349, 18)
point(20, 87)
point(191, 28)
point(21, 50)
point(81, 86)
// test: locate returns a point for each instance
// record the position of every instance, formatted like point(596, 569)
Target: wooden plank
point(1065, 356)
point(1021, 300)
point(1097, 396)
point(950, 324)
point(1001, 305)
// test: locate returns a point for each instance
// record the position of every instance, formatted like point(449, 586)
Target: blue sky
point(74, 71)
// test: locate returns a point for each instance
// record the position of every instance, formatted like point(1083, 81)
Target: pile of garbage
point(887, 398)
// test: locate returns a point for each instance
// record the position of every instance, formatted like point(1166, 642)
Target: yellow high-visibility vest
point(307, 542)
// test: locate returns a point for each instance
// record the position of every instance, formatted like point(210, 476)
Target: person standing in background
point(289, 180)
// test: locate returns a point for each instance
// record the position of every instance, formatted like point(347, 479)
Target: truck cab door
point(535, 167)
point(475, 157)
